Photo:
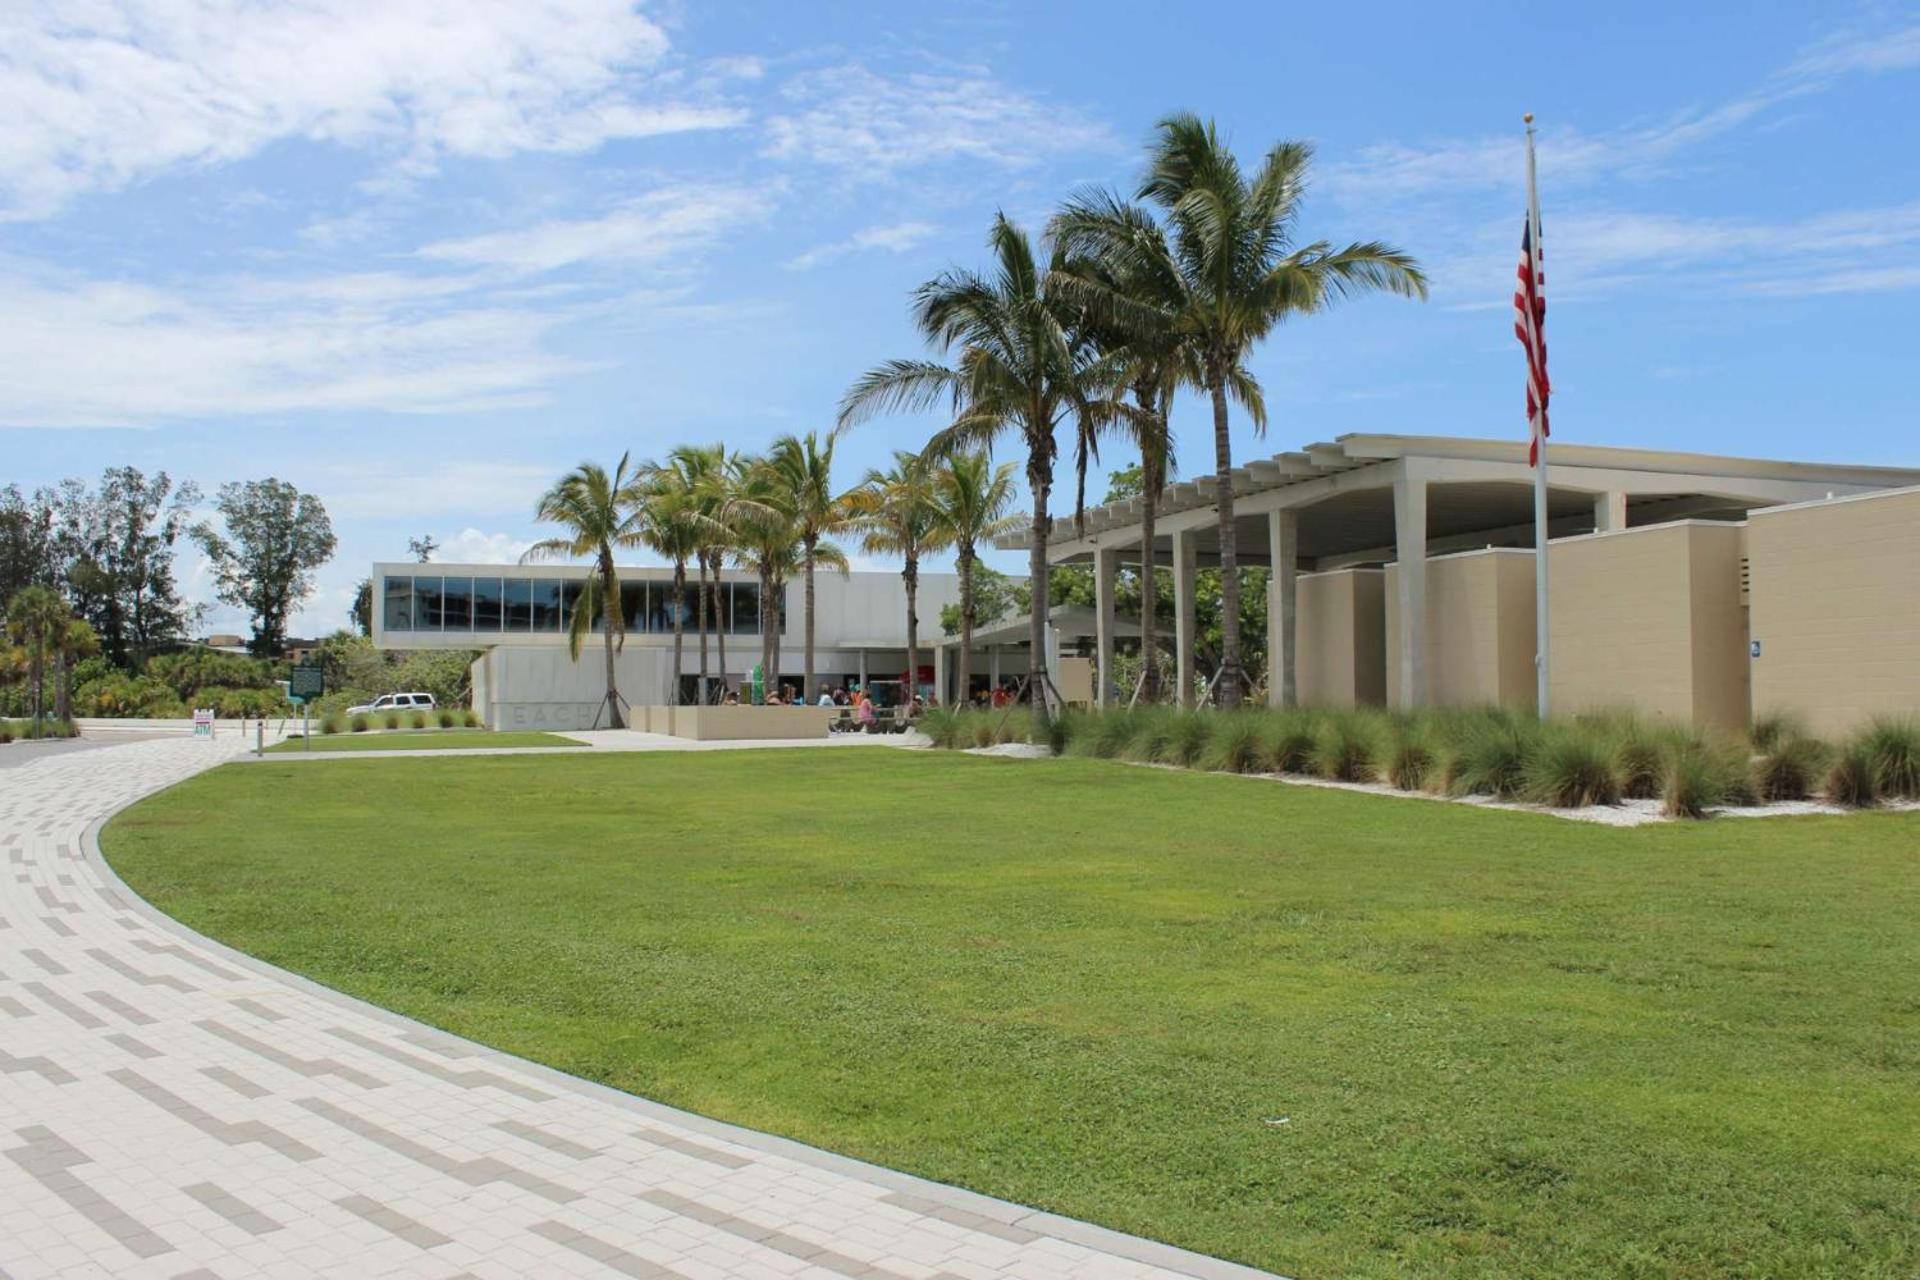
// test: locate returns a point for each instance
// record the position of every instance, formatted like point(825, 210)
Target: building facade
point(518, 617)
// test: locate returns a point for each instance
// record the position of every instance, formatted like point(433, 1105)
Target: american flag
point(1530, 326)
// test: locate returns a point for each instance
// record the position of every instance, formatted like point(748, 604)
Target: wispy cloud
point(100, 96)
point(870, 126)
point(1397, 172)
point(665, 228)
point(897, 237)
point(471, 546)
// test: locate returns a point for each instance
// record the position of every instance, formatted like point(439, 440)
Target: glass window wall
point(456, 603)
point(428, 604)
point(397, 609)
point(486, 604)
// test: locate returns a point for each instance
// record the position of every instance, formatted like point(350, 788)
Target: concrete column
point(1410, 538)
point(993, 666)
point(1283, 545)
point(1106, 574)
point(1609, 512)
point(940, 674)
point(1185, 628)
point(1053, 664)
point(863, 668)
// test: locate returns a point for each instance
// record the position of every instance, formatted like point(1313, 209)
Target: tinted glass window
point(633, 605)
point(397, 609)
point(517, 608)
point(546, 603)
point(486, 604)
point(457, 603)
point(569, 600)
point(428, 611)
point(746, 608)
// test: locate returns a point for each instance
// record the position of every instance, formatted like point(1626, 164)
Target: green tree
point(1018, 367)
point(765, 537)
point(679, 499)
point(899, 516)
point(804, 466)
point(276, 536)
point(362, 611)
point(1226, 272)
point(971, 501)
point(599, 512)
point(38, 621)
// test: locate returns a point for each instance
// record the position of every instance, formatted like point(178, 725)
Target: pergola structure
point(1367, 500)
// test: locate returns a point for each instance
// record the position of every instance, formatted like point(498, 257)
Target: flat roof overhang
point(1479, 493)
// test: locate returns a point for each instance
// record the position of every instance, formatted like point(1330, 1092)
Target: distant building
point(519, 614)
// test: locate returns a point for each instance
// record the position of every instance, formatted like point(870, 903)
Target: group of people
point(1003, 694)
point(865, 709)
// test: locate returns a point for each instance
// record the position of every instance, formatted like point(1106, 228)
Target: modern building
point(518, 616)
point(1688, 585)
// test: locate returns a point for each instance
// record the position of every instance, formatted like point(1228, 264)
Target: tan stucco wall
point(1339, 627)
point(1836, 608)
point(1479, 629)
point(709, 724)
point(1650, 618)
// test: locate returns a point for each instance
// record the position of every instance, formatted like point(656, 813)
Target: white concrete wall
point(539, 687)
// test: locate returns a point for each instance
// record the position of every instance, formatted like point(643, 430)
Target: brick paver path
point(171, 1109)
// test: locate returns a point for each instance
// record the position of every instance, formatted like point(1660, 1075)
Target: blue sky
point(420, 258)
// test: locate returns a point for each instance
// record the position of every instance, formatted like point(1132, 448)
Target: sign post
point(306, 683)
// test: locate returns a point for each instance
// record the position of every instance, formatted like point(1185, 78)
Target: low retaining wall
point(736, 724)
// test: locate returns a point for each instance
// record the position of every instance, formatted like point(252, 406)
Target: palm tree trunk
point(1227, 685)
point(610, 601)
point(1153, 478)
point(720, 630)
point(1040, 480)
point(679, 627)
point(808, 694)
point(778, 596)
point(912, 575)
point(61, 686)
point(700, 621)
point(965, 691)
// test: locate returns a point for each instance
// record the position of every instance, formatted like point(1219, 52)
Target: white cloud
point(870, 125)
point(895, 237)
point(463, 488)
point(666, 228)
point(100, 94)
point(471, 546)
point(1571, 158)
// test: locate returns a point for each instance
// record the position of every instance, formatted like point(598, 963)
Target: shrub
point(391, 720)
point(1775, 728)
point(1893, 748)
point(470, 718)
point(1638, 761)
point(446, 717)
point(1059, 730)
point(1110, 733)
point(1851, 779)
point(1411, 760)
point(1789, 770)
point(943, 726)
point(360, 723)
point(1236, 743)
point(1573, 766)
point(417, 720)
point(1153, 735)
point(1698, 774)
point(1189, 738)
point(6, 732)
point(330, 724)
point(1492, 755)
point(1291, 738)
point(1345, 749)
point(985, 730)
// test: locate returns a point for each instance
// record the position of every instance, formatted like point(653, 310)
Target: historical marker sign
point(308, 683)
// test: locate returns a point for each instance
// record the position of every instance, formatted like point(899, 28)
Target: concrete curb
point(1135, 1248)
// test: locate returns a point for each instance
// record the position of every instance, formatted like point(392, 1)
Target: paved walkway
point(169, 1108)
point(619, 740)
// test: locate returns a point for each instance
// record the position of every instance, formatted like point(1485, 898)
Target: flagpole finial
point(1527, 118)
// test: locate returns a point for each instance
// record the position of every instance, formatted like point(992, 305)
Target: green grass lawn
point(1329, 1034)
point(427, 740)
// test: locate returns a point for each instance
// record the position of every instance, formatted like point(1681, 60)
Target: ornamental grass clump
point(391, 720)
point(1893, 748)
point(1492, 754)
point(1789, 769)
point(418, 720)
point(1108, 736)
point(1774, 728)
point(1700, 773)
point(1851, 777)
point(943, 727)
point(1347, 748)
point(1292, 736)
point(470, 718)
point(1412, 756)
point(446, 718)
point(1236, 744)
point(331, 724)
point(1189, 738)
point(1572, 766)
point(360, 723)
point(1639, 761)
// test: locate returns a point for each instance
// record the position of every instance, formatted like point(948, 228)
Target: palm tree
point(1227, 274)
point(38, 621)
point(804, 467)
point(689, 494)
point(1018, 367)
point(971, 499)
point(764, 537)
point(599, 512)
point(899, 517)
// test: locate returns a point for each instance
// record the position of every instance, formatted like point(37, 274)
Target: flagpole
point(1541, 615)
